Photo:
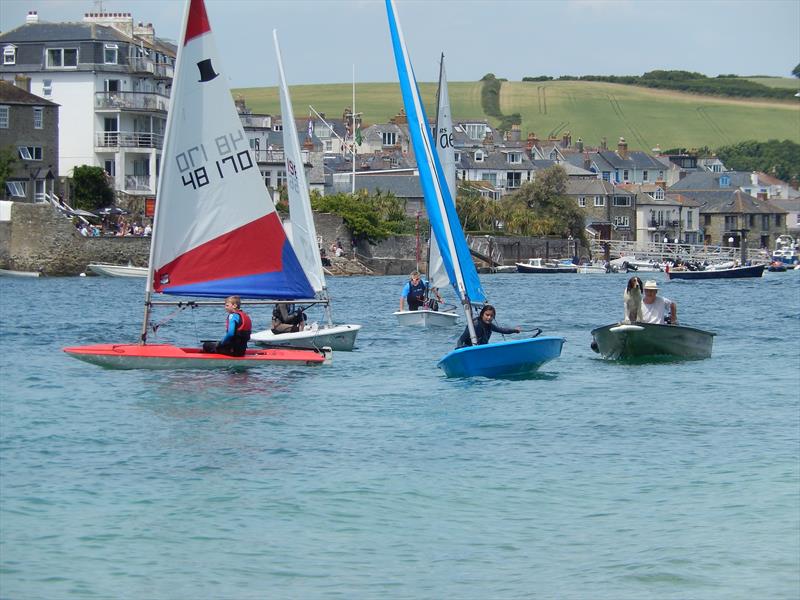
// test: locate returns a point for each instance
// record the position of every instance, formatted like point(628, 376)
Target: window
point(599, 201)
point(622, 201)
point(267, 175)
point(479, 156)
point(277, 127)
point(388, 138)
point(62, 58)
point(582, 201)
point(606, 175)
point(47, 87)
point(689, 219)
point(658, 194)
point(38, 190)
point(731, 222)
point(706, 220)
point(281, 179)
point(16, 189)
point(724, 181)
point(475, 131)
point(514, 158)
point(645, 175)
point(625, 175)
point(622, 221)
point(457, 156)
point(30, 152)
point(110, 54)
point(10, 55)
point(109, 166)
point(778, 220)
point(764, 222)
point(38, 117)
point(752, 220)
point(4, 117)
point(513, 179)
point(490, 177)
point(112, 85)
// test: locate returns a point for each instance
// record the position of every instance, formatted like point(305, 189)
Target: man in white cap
point(654, 309)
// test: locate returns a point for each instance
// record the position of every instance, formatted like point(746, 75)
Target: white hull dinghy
point(335, 337)
point(424, 317)
point(110, 270)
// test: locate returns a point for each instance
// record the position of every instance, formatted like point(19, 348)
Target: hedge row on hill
point(686, 81)
point(490, 102)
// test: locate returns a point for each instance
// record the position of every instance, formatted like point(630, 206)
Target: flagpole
point(353, 116)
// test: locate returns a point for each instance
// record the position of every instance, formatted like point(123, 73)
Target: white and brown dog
point(633, 300)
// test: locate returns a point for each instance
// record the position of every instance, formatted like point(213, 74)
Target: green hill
point(589, 110)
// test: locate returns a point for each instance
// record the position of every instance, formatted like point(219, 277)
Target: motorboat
point(109, 270)
point(631, 264)
point(647, 340)
point(595, 268)
point(786, 250)
point(541, 265)
point(11, 273)
point(718, 273)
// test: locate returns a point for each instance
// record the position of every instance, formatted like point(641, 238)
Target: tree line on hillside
point(686, 81)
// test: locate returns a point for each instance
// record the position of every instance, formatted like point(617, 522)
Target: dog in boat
point(633, 300)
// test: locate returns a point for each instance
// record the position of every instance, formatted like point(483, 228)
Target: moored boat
point(12, 273)
point(424, 317)
point(540, 265)
point(646, 340)
point(729, 273)
point(110, 270)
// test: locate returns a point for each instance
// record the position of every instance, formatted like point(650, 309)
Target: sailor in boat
point(237, 333)
point(287, 319)
point(413, 292)
point(656, 309)
point(484, 326)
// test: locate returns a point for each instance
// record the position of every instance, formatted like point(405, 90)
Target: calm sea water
point(376, 477)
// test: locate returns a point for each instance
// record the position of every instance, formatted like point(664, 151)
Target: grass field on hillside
point(377, 101)
point(645, 117)
point(777, 82)
point(589, 110)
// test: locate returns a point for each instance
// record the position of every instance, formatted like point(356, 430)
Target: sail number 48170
point(198, 171)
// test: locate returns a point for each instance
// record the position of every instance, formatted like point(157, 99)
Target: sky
point(327, 41)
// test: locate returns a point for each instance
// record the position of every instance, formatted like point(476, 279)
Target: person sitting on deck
point(414, 291)
point(484, 326)
point(287, 319)
point(237, 333)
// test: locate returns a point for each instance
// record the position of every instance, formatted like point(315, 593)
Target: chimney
point(33, 17)
point(22, 82)
point(604, 144)
point(753, 178)
point(241, 107)
point(762, 196)
point(657, 150)
point(662, 184)
point(794, 183)
point(516, 133)
point(622, 148)
point(587, 162)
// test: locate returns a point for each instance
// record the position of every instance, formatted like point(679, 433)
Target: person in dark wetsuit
point(413, 291)
point(484, 326)
point(237, 332)
point(287, 319)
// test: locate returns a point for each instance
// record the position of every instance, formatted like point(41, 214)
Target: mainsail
point(438, 200)
point(216, 232)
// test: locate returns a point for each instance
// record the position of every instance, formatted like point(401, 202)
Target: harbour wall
point(39, 238)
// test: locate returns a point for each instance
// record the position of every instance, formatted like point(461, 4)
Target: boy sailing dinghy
point(216, 232)
point(304, 242)
point(437, 274)
point(502, 359)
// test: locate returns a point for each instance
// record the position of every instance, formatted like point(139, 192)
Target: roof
point(732, 201)
point(708, 181)
point(402, 186)
point(11, 94)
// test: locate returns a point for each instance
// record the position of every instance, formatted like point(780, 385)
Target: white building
point(112, 79)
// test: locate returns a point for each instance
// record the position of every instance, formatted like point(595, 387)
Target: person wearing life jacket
point(238, 329)
point(287, 319)
point(413, 291)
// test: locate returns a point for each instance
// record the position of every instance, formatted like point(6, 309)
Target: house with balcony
point(29, 128)
point(609, 210)
point(663, 216)
point(620, 166)
point(112, 79)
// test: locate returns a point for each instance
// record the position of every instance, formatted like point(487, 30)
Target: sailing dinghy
point(216, 232)
point(501, 359)
point(437, 274)
point(304, 242)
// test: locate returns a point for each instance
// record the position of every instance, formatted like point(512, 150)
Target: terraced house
point(112, 79)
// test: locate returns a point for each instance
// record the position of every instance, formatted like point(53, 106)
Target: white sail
point(303, 230)
point(437, 274)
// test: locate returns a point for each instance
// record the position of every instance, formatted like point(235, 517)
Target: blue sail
point(438, 201)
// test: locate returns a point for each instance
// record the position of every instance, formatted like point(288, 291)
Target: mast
point(353, 118)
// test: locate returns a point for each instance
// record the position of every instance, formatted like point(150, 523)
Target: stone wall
point(38, 238)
